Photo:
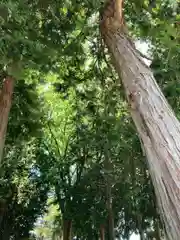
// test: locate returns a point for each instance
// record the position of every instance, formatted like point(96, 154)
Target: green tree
point(31, 37)
point(23, 193)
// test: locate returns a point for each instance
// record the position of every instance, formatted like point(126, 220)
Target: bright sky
point(143, 47)
point(134, 237)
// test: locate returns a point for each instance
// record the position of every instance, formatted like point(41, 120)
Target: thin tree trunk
point(107, 166)
point(102, 232)
point(157, 229)
point(110, 214)
point(156, 123)
point(67, 227)
point(141, 234)
point(5, 106)
point(3, 209)
point(140, 227)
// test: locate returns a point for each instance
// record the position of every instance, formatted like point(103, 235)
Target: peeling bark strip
point(5, 106)
point(156, 123)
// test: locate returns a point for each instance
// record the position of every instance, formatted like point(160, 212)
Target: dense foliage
point(72, 162)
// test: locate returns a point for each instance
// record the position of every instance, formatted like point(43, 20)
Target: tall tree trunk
point(158, 128)
point(102, 232)
point(5, 230)
point(67, 227)
point(5, 106)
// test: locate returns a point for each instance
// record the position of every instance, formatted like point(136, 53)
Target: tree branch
point(55, 140)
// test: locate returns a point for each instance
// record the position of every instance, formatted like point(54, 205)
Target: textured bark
point(158, 128)
point(5, 106)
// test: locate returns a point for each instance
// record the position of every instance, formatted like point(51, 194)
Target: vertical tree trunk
point(102, 232)
point(140, 227)
point(110, 224)
point(5, 230)
point(156, 123)
point(107, 166)
point(141, 233)
point(67, 227)
point(3, 209)
point(110, 214)
point(5, 106)
point(157, 230)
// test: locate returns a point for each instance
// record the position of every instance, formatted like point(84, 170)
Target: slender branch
point(66, 147)
point(82, 165)
point(51, 154)
point(55, 140)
